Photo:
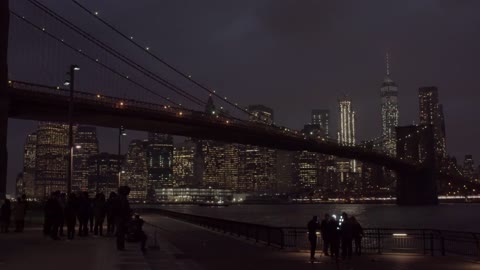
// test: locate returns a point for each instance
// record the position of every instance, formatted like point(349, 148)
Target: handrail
point(375, 240)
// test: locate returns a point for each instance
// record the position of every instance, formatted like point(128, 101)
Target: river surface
point(461, 217)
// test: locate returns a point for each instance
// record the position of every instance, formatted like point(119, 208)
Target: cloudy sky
point(294, 56)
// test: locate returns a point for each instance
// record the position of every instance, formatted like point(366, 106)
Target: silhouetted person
point(346, 232)
point(109, 213)
point(83, 214)
point(5, 215)
point(313, 227)
point(71, 215)
point(138, 232)
point(333, 232)
point(62, 200)
point(19, 214)
point(91, 216)
point(357, 235)
point(99, 213)
point(122, 215)
point(48, 215)
point(325, 235)
point(55, 214)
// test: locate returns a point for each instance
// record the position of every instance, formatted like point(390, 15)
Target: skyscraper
point(86, 143)
point(346, 133)
point(431, 113)
point(29, 159)
point(257, 164)
point(51, 158)
point(159, 152)
point(103, 173)
point(390, 115)
point(184, 164)
point(468, 167)
point(322, 118)
point(136, 172)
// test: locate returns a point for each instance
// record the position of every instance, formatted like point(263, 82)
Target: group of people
point(18, 211)
point(336, 234)
point(91, 214)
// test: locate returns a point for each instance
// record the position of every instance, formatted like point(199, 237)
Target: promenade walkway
point(185, 246)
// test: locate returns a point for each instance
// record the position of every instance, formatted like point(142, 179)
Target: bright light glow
point(96, 13)
point(66, 83)
point(121, 103)
point(228, 122)
point(148, 48)
point(122, 172)
point(76, 68)
point(9, 82)
point(399, 234)
point(124, 133)
point(213, 112)
point(180, 113)
point(78, 146)
point(98, 96)
point(58, 87)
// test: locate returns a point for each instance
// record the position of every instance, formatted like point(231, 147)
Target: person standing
point(313, 227)
point(19, 214)
point(109, 213)
point(138, 232)
point(99, 213)
point(62, 200)
point(5, 215)
point(325, 235)
point(334, 237)
point(122, 215)
point(71, 215)
point(346, 233)
point(83, 214)
point(357, 235)
point(53, 215)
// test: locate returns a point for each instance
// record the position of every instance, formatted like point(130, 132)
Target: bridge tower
point(417, 186)
point(4, 103)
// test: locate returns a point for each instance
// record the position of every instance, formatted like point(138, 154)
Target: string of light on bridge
point(147, 49)
point(92, 59)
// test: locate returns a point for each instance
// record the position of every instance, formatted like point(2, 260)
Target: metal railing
point(376, 240)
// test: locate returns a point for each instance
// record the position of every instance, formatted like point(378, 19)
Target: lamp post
point(121, 132)
point(70, 82)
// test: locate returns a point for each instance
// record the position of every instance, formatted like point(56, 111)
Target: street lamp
point(70, 82)
point(121, 132)
point(119, 177)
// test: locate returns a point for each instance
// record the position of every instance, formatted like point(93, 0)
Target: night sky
point(294, 56)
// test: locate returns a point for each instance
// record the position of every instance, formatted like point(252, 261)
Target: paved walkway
point(184, 246)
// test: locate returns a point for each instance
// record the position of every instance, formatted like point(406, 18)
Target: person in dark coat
point(99, 213)
point(122, 215)
point(91, 216)
point(346, 233)
point(62, 200)
point(19, 214)
point(313, 227)
point(71, 215)
point(109, 213)
point(324, 233)
point(357, 236)
point(54, 213)
point(333, 231)
point(5, 216)
point(83, 214)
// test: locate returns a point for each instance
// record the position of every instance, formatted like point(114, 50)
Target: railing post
point(268, 236)
point(424, 244)
point(432, 249)
point(379, 246)
point(442, 243)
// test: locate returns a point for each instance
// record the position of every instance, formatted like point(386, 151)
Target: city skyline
point(415, 65)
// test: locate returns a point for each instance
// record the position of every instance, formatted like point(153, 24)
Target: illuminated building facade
point(390, 114)
point(284, 171)
point(469, 167)
point(221, 169)
point(184, 157)
point(86, 145)
point(159, 153)
point(257, 164)
point(346, 133)
point(103, 173)
point(29, 161)
point(136, 171)
point(322, 119)
point(51, 159)
point(307, 165)
point(431, 113)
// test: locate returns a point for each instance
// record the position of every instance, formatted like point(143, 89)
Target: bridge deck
point(185, 246)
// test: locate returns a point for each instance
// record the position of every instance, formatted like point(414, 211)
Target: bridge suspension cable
point(117, 54)
point(171, 67)
point(92, 59)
